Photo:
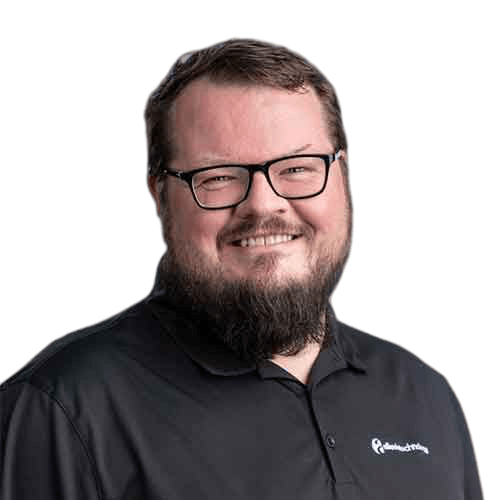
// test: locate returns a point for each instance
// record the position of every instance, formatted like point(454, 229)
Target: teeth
point(272, 239)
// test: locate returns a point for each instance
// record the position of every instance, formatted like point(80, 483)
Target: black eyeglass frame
point(187, 176)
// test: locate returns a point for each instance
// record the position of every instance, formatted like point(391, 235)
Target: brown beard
point(256, 321)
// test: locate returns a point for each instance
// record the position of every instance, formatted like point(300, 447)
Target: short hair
point(239, 62)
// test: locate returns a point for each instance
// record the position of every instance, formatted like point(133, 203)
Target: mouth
point(265, 240)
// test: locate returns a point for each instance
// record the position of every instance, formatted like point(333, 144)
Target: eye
point(293, 170)
point(216, 182)
point(297, 171)
point(217, 179)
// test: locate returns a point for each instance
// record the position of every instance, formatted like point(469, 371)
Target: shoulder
point(401, 381)
point(83, 356)
point(389, 363)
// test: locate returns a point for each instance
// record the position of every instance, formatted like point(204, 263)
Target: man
point(234, 379)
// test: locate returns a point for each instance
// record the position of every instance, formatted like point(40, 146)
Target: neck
point(300, 364)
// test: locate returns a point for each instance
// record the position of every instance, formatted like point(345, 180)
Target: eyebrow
point(299, 150)
point(216, 160)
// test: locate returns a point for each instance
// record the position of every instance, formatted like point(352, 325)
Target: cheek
point(192, 226)
point(203, 232)
point(328, 213)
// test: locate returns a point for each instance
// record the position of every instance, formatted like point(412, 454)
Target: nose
point(261, 199)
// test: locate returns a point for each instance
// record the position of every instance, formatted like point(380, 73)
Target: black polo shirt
point(144, 406)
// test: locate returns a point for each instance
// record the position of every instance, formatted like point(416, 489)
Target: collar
point(217, 359)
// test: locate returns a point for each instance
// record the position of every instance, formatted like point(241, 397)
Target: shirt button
point(330, 441)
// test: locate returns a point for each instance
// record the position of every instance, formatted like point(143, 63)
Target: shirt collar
point(218, 359)
point(202, 348)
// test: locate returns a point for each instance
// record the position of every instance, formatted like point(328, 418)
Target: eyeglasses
point(225, 186)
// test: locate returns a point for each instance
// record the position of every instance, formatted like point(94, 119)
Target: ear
point(155, 186)
point(342, 155)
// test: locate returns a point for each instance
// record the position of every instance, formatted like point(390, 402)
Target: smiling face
point(258, 276)
point(266, 239)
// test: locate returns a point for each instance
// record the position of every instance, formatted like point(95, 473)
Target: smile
point(258, 241)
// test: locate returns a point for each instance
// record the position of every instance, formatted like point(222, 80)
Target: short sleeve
point(41, 456)
point(472, 485)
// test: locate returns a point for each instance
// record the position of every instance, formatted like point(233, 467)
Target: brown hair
point(236, 61)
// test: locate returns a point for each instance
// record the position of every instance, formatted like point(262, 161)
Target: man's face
point(218, 124)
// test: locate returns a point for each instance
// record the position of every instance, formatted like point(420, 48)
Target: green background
point(418, 85)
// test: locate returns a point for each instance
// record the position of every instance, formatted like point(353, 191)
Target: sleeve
point(472, 485)
point(42, 456)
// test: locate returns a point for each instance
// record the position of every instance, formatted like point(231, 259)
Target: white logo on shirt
point(380, 448)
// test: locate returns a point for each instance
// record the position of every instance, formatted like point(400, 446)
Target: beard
point(254, 317)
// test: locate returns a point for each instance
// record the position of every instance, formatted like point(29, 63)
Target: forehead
point(215, 123)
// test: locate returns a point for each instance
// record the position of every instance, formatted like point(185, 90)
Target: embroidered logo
point(380, 448)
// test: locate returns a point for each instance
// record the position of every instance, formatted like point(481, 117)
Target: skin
point(217, 124)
